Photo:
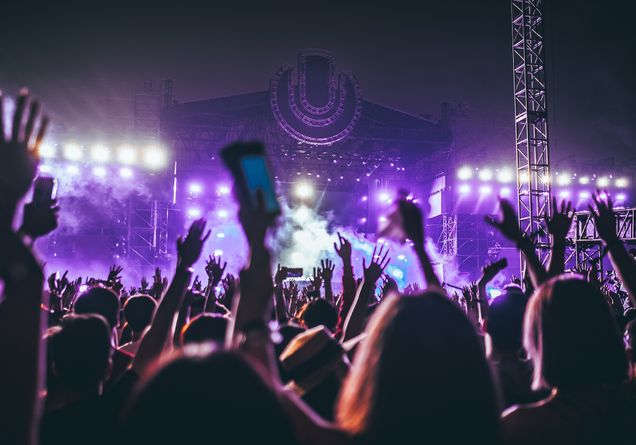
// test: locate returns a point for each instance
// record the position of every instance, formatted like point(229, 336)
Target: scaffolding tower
point(531, 122)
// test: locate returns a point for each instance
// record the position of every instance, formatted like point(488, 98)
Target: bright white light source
point(101, 154)
point(304, 190)
point(464, 173)
point(155, 158)
point(505, 176)
point(384, 197)
point(220, 235)
point(564, 194)
point(621, 197)
point(73, 152)
point(195, 188)
point(100, 172)
point(622, 182)
point(194, 212)
point(485, 190)
point(382, 219)
point(564, 179)
point(584, 180)
point(222, 213)
point(584, 195)
point(218, 252)
point(545, 179)
point(397, 273)
point(401, 257)
point(223, 190)
point(485, 174)
point(464, 189)
point(47, 151)
point(45, 168)
point(505, 192)
point(125, 172)
point(603, 181)
point(127, 155)
point(524, 178)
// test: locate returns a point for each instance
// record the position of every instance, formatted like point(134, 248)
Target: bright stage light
point(125, 173)
point(194, 212)
point(584, 180)
point(603, 181)
point(564, 194)
point(218, 253)
point(362, 220)
point(505, 192)
point(545, 179)
point(73, 152)
point(621, 197)
point(464, 173)
point(622, 182)
point(72, 169)
point(485, 190)
point(603, 196)
point(220, 235)
point(100, 172)
point(47, 151)
point(464, 189)
point(364, 198)
point(223, 190)
point(304, 190)
point(584, 195)
point(222, 213)
point(384, 197)
point(564, 179)
point(397, 273)
point(505, 175)
point(155, 158)
point(401, 257)
point(100, 154)
point(382, 219)
point(195, 188)
point(43, 168)
point(524, 178)
point(126, 155)
point(485, 174)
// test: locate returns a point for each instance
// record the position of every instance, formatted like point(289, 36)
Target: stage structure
point(531, 122)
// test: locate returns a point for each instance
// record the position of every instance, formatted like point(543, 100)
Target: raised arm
point(488, 273)
point(413, 226)
point(155, 340)
point(509, 227)
point(605, 223)
point(279, 295)
point(355, 321)
point(558, 226)
point(344, 251)
point(326, 272)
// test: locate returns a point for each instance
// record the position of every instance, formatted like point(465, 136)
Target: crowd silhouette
point(269, 361)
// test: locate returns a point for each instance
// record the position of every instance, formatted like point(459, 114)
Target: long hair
point(420, 375)
point(571, 336)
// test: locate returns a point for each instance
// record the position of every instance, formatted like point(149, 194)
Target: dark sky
point(411, 56)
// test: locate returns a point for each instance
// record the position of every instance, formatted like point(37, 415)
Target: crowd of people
point(265, 360)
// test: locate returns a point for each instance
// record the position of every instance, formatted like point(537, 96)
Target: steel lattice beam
point(531, 121)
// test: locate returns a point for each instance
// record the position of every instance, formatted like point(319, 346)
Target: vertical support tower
point(531, 122)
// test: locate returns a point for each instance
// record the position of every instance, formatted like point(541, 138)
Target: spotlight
point(223, 190)
point(218, 252)
point(45, 168)
point(564, 194)
point(362, 220)
point(485, 190)
point(73, 152)
point(195, 188)
point(622, 182)
point(602, 181)
point(125, 172)
point(464, 173)
point(584, 180)
point(545, 179)
point(220, 235)
point(584, 195)
point(194, 212)
point(364, 198)
point(72, 169)
point(621, 197)
point(47, 151)
point(384, 197)
point(401, 257)
point(155, 158)
point(304, 190)
point(100, 154)
point(222, 213)
point(382, 219)
point(505, 192)
point(100, 172)
point(397, 273)
point(464, 189)
point(564, 179)
point(505, 175)
point(126, 155)
point(524, 178)
point(485, 174)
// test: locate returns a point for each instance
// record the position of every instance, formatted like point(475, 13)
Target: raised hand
point(196, 284)
point(159, 284)
point(20, 151)
point(490, 270)
point(559, 223)
point(39, 220)
point(144, 285)
point(344, 249)
point(604, 218)
point(189, 249)
point(214, 269)
point(114, 274)
point(507, 224)
point(316, 279)
point(326, 270)
point(377, 265)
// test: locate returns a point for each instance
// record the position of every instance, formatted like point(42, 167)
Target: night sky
point(405, 56)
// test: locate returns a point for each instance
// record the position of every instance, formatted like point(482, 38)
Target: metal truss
point(148, 233)
point(531, 121)
point(587, 246)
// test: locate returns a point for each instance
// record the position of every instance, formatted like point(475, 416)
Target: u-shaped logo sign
point(319, 106)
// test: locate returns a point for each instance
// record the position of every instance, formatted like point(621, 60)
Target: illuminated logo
point(317, 106)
